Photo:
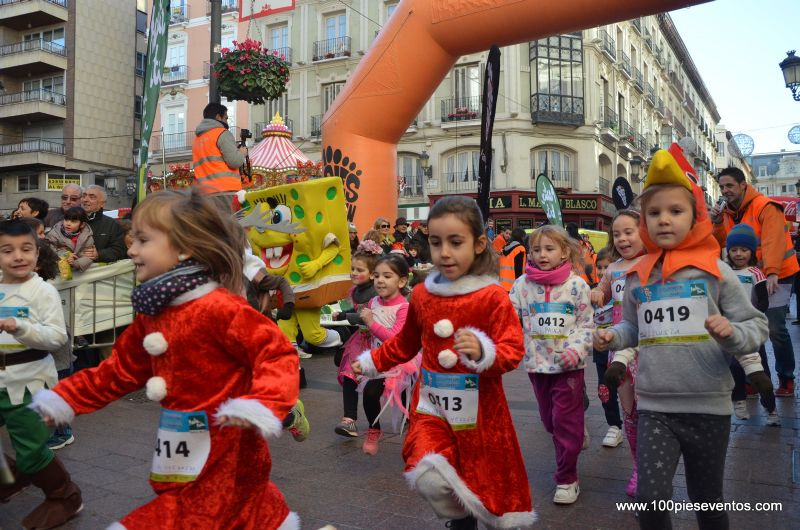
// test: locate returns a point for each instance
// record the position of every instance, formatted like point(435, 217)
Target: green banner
point(548, 199)
point(156, 55)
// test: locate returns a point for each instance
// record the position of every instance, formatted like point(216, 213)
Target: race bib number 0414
point(672, 312)
point(182, 446)
point(452, 397)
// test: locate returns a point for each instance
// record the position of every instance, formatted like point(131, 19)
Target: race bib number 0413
point(182, 446)
point(452, 397)
point(672, 312)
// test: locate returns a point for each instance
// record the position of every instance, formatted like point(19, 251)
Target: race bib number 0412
point(551, 320)
point(452, 397)
point(672, 312)
point(182, 446)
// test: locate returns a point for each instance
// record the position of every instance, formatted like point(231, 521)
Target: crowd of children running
point(666, 321)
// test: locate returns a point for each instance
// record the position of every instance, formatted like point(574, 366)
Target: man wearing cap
point(776, 257)
point(401, 231)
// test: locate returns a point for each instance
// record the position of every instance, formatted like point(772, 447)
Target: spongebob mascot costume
point(300, 232)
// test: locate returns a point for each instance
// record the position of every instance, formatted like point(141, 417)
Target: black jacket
point(424, 247)
point(109, 239)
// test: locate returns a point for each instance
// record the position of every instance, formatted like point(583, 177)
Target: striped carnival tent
point(275, 160)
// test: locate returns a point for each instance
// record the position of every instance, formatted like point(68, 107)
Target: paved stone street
point(328, 480)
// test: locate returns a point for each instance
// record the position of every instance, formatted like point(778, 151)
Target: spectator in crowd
point(37, 225)
point(31, 207)
point(70, 196)
point(384, 231)
point(126, 225)
point(109, 239)
point(373, 235)
point(502, 239)
point(420, 239)
point(513, 259)
point(490, 229)
point(353, 237)
point(401, 234)
point(73, 237)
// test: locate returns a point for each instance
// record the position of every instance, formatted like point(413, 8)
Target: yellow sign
point(55, 183)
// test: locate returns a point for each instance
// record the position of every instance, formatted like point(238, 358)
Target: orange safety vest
point(210, 170)
point(507, 273)
point(750, 217)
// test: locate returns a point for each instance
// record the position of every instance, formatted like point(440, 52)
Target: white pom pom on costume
point(448, 358)
point(443, 328)
point(156, 388)
point(240, 196)
point(155, 343)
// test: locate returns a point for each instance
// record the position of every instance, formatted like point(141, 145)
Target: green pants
point(28, 434)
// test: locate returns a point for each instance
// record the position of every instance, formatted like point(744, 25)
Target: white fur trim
point(329, 239)
point(489, 352)
point(154, 343)
point(443, 328)
point(116, 526)
point(292, 522)
point(447, 358)
point(156, 388)
point(465, 496)
point(48, 403)
point(464, 285)
point(367, 365)
point(240, 196)
point(195, 293)
point(254, 412)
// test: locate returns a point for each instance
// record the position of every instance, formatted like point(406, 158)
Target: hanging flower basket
point(251, 73)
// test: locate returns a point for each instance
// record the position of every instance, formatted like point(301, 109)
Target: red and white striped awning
point(276, 152)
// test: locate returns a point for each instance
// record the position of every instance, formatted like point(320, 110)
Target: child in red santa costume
point(224, 374)
point(461, 451)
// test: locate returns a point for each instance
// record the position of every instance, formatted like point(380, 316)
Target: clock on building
point(794, 134)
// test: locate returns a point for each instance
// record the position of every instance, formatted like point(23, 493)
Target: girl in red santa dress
point(461, 451)
point(224, 374)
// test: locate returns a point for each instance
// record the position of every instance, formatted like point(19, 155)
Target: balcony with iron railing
point(35, 152)
point(460, 181)
point(557, 110)
point(32, 57)
point(174, 75)
point(331, 49)
point(676, 82)
point(172, 144)
point(22, 15)
point(650, 93)
point(316, 126)
point(461, 109)
point(609, 46)
point(286, 52)
point(627, 139)
point(638, 80)
point(33, 105)
point(637, 25)
point(560, 179)
point(624, 62)
point(610, 118)
point(412, 188)
point(640, 143)
point(604, 186)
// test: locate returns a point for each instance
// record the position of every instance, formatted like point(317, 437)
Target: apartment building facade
point(777, 174)
point(580, 106)
point(69, 98)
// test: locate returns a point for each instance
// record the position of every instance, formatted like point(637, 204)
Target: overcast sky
point(736, 46)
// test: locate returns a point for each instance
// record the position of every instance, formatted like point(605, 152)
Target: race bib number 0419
point(182, 446)
point(672, 312)
point(452, 397)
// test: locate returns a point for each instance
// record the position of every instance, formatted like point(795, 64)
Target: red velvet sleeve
point(506, 332)
point(402, 347)
point(258, 343)
point(126, 371)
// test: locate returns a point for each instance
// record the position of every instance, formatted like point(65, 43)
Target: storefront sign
point(57, 181)
point(567, 203)
point(500, 202)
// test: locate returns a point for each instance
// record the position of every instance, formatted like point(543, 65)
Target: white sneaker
point(773, 419)
point(301, 352)
point(566, 493)
point(740, 409)
point(585, 437)
point(613, 437)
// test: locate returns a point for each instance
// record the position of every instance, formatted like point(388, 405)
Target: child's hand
point(8, 325)
point(467, 343)
point(597, 297)
point(71, 259)
point(569, 359)
point(719, 327)
point(356, 366)
point(615, 374)
point(602, 338)
point(50, 422)
point(227, 421)
point(367, 316)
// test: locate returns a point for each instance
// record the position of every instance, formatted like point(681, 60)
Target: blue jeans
point(781, 342)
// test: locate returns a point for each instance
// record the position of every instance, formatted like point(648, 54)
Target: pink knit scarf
point(555, 276)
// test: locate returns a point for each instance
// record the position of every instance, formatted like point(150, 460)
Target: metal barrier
point(98, 300)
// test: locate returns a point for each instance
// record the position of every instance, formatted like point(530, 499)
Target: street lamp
point(636, 168)
point(791, 73)
point(425, 160)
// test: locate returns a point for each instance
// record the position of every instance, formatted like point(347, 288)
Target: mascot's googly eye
point(281, 215)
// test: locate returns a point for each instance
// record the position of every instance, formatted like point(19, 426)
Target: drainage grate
point(796, 466)
point(137, 397)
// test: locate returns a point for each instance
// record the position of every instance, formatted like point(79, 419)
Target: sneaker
point(371, 443)
point(347, 427)
point(796, 322)
point(566, 493)
point(613, 437)
point(740, 409)
point(630, 489)
point(751, 391)
point(300, 427)
point(786, 389)
point(773, 419)
point(59, 441)
point(301, 352)
point(467, 523)
point(586, 438)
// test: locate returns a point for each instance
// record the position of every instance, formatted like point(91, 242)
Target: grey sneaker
point(347, 427)
point(773, 419)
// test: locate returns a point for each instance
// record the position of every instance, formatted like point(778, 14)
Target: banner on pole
point(491, 83)
point(548, 199)
point(156, 55)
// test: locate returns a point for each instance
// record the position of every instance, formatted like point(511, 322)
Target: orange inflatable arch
point(410, 58)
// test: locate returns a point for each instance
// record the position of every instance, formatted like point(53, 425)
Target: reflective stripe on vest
point(507, 275)
point(750, 217)
point(210, 170)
